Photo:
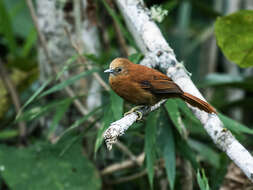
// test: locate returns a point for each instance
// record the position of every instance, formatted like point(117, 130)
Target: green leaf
point(60, 110)
point(166, 142)
point(218, 175)
point(187, 112)
point(173, 111)
point(20, 17)
point(40, 167)
point(209, 154)
point(190, 120)
point(30, 41)
point(116, 105)
point(41, 88)
point(115, 17)
point(186, 151)
point(236, 41)
point(78, 122)
point(6, 28)
point(227, 80)
point(67, 82)
point(135, 58)
point(66, 66)
point(216, 79)
point(189, 116)
point(244, 102)
point(234, 125)
point(8, 134)
point(202, 181)
point(107, 120)
point(93, 58)
point(38, 111)
point(150, 145)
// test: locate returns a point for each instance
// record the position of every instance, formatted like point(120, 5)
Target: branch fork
point(119, 127)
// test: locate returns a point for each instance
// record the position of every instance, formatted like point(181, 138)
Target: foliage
point(64, 148)
point(234, 40)
point(167, 144)
point(150, 144)
point(202, 181)
point(51, 169)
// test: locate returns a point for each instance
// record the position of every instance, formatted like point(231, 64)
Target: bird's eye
point(118, 69)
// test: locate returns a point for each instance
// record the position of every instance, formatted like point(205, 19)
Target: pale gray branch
point(159, 54)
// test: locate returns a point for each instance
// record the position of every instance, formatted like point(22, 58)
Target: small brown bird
point(144, 86)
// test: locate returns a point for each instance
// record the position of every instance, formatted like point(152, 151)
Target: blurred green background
point(53, 110)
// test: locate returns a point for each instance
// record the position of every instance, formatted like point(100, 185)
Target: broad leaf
point(234, 34)
point(40, 167)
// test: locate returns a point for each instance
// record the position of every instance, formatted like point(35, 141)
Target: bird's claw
point(136, 110)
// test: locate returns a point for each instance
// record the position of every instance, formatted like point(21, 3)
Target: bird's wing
point(156, 82)
point(161, 86)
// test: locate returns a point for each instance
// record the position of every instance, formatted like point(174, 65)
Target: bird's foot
point(136, 110)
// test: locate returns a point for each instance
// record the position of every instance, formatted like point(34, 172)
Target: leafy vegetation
point(235, 40)
point(64, 146)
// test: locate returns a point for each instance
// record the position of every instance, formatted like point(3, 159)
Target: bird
point(144, 86)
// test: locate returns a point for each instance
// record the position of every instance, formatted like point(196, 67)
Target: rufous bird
point(144, 86)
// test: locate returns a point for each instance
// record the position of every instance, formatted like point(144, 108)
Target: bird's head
point(118, 67)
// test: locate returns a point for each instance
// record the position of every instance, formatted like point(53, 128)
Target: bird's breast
point(131, 91)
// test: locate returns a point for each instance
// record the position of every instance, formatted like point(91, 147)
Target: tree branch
point(119, 127)
point(159, 54)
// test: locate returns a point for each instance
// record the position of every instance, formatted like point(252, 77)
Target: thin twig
point(129, 178)
point(123, 165)
point(159, 165)
point(124, 149)
point(15, 98)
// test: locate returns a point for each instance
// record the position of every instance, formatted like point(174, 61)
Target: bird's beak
point(109, 71)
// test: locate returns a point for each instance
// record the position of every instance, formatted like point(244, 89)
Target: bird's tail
point(196, 102)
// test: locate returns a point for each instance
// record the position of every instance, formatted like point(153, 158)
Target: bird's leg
point(136, 110)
